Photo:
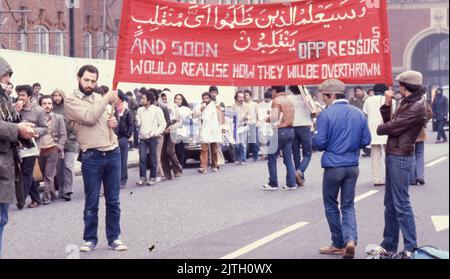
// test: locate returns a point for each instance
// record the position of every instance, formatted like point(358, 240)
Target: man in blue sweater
point(342, 131)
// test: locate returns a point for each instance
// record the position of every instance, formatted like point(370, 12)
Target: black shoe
point(20, 206)
point(67, 197)
point(420, 182)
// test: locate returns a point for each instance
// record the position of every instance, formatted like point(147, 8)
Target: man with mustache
point(92, 118)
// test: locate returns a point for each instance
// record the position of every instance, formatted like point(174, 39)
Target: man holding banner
point(93, 125)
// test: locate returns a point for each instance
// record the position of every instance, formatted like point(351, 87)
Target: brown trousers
point(169, 159)
point(47, 163)
point(204, 155)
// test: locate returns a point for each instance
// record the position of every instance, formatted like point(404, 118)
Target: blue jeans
point(398, 214)
point(303, 138)
point(241, 146)
point(440, 130)
point(98, 167)
point(123, 145)
point(3, 221)
point(253, 141)
point(285, 139)
point(342, 222)
point(147, 146)
point(418, 163)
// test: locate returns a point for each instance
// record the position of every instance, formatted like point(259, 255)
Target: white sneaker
point(88, 246)
point(141, 182)
point(161, 178)
point(288, 188)
point(268, 187)
point(117, 245)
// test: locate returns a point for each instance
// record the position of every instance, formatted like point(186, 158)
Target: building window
point(59, 43)
point(22, 41)
point(87, 45)
point(41, 42)
point(103, 45)
point(106, 46)
point(98, 49)
point(431, 58)
point(113, 47)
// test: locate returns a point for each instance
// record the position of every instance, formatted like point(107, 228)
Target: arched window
point(41, 41)
point(431, 57)
point(59, 42)
point(87, 45)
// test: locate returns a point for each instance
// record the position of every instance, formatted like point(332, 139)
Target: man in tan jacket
point(92, 118)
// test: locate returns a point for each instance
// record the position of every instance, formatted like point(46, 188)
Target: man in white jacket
point(372, 110)
point(210, 133)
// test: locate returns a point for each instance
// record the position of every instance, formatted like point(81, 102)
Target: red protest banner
point(302, 42)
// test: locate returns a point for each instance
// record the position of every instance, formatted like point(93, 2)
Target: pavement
point(227, 215)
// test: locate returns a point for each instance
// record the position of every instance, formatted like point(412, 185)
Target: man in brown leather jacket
point(402, 129)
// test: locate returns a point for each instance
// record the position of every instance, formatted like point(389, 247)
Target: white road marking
point(365, 195)
point(440, 222)
point(437, 161)
point(264, 240)
point(278, 234)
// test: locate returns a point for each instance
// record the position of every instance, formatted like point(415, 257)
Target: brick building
point(419, 31)
point(419, 38)
point(44, 26)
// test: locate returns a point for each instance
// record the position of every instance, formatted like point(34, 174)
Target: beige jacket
point(244, 113)
point(88, 116)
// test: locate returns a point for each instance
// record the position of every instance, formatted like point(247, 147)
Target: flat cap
point(410, 77)
point(332, 86)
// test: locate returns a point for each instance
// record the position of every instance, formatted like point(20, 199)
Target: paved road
point(217, 215)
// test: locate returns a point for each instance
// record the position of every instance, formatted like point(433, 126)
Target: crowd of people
point(98, 126)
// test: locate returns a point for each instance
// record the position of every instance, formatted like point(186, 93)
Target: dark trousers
point(283, 140)
point(169, 160)
point(440, 130)
point(30, 187)
point(123, 145)
point(303, 141)
point(98, 167)
point(253, 142)
point(180, 151)
point(341, 221)
point(136, 137)
point(147, 146)
point(4, 207)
